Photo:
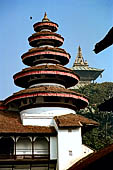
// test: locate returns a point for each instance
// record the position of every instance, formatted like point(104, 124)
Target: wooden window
point(69, 130)
point(70, 153)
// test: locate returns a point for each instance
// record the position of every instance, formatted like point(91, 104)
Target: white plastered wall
point(53, 148)
point(42, 116)
point(69, 147)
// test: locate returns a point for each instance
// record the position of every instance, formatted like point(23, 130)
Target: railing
point(26, 154)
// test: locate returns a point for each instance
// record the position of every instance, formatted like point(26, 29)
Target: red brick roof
point(74, 120)
point(10, 123)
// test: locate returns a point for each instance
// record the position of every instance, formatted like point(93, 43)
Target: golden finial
point(79, 49)
point(45, 16)
point(79, 52)
point(45, 19)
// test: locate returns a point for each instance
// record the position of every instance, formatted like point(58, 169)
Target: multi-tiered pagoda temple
point(87, 74)
point(39, 127)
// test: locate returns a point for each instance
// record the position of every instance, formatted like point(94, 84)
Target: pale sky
point(81, 22)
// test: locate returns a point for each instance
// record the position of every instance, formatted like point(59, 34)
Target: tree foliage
point(103, 135)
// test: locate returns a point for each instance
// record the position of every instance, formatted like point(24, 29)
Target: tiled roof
point(45, 24)
point(80, 100)
point(86, 68)
point(46, 33)
point(49, 67)
point(53, 89)
point(10, 123)
point(47, 48)
point(60, 74)
point(87, 73)
point(74, 120)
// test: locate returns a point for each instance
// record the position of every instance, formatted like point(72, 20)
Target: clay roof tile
point(73, 120)
point(10, 123)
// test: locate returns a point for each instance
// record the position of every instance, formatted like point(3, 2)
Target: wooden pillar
point(15, 148)
point(32, 147)
point(48, 152)
point(30, 166)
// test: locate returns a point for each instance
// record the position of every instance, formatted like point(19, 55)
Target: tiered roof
point(46, 76)
point(54, 55)
point(63, 75)
point(45, 24)
point(77, 102)
point(45, 83)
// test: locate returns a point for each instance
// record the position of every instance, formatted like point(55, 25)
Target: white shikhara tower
point(46, 101)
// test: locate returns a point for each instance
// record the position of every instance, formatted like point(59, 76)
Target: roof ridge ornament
point(45, 19)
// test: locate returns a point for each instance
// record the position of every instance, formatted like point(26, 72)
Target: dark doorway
point(6, 146)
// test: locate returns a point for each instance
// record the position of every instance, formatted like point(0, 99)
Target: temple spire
point(45, 19)
point(79, 52)
point(79, 58)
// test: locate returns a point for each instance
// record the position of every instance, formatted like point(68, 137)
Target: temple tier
point(45, 54)
point(46, 74)
point(45, 38)
point(46, 24)
point(48, 96)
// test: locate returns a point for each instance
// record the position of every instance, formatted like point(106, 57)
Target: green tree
point(101, 136)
